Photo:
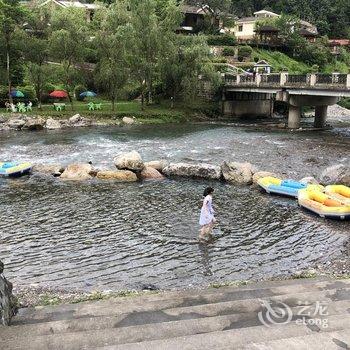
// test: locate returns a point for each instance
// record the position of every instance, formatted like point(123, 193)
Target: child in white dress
point(207, 219)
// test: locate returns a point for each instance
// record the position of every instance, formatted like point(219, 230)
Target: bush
point(78, 90)
point(222, 40)
point(229, 51)
point(345, 102)
point(48, 88)
point(245, 51)
point(219, 60)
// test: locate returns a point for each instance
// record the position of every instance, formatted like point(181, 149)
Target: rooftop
point(66, 3)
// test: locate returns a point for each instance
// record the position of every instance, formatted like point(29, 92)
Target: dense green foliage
point(130, 44)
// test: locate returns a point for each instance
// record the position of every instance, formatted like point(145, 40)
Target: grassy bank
point(162, 112)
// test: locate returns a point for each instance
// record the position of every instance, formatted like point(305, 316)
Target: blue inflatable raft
point(14, 168)
point(288, 188)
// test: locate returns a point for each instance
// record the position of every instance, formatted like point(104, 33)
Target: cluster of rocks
point(129, 167)
point(23, 122)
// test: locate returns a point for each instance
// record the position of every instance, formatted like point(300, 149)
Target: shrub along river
point(105, 235)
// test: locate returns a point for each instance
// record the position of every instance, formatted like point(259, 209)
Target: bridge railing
point(274, 79)
point(335, 80)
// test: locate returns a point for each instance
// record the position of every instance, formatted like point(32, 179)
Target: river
point(105, 235)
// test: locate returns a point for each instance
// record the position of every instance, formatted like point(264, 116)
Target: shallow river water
point(102, 235)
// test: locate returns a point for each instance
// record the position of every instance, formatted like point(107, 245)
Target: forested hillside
point(332, 17)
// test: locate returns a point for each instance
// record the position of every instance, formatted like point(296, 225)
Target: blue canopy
point(88, 94)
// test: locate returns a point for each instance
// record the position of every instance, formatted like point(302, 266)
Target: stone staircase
point(223, 318)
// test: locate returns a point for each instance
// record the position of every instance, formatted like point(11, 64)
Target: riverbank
point(40, 295)
point(132, 112)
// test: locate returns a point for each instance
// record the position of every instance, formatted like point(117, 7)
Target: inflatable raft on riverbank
point(323, 204)
point(339, 192)
point(288, 188)
point(14, 168)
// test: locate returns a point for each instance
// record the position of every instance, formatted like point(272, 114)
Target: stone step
point(320, 341)
point(149, 302)
point(157, 334)
point(236, 338)
point(161, 312)
point(247, 318)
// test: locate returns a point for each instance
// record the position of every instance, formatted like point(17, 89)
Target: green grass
point(281, 62)
point(154, 114)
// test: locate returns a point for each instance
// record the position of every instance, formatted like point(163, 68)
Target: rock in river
point(78, 121)
point(117, 175)
point(77, 172)
point(149, 173)
point(15, 123)
point(51, 169)
point(202, 170)
point(129, 161)
point(157, 164)
point(52, 124)
point(336, 174)
point(34, 124)
point(128, 120)
point(238, 173)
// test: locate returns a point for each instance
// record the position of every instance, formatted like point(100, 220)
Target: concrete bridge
point(246, 95)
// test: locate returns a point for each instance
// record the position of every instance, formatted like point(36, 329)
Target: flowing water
point(105, 235)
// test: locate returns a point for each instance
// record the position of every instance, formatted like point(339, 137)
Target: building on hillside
point(195, 16)
point(337, 45)
point(90, 9)
point(245, 29)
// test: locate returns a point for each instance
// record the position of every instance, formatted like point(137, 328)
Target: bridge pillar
point(294, 116)
point(320, 116)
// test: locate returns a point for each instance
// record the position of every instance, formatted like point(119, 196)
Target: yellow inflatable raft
point(339, 192)
point(323, 204)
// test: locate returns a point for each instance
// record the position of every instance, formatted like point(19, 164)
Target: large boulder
point(202, 170)
point(238, 173)
point(129, 161)
point(129, 120)
point(52, 124)
point(117, 175)
point(15, 123)
point(149, 173)
point(34, 124)
point(77, 172)
point(75, 118)
point(50, 169)
point(336, 174)
point(78, 121)
point(157, 164)
point(260, 174)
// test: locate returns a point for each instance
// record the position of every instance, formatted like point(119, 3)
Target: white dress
point(207, 211)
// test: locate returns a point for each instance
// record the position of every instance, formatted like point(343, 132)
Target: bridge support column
point(320, 116)
point(294, 116)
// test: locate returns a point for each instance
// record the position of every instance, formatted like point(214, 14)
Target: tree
point(67, 43)
point(11, 16)
point(112, 71)
point(37, 50)
point(186, 62)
